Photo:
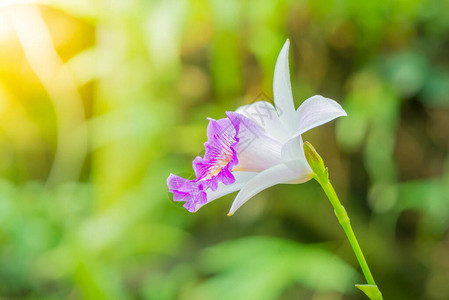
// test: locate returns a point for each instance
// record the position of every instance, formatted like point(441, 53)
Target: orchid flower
point(257, 146)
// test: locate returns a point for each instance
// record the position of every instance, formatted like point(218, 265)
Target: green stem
point(343, 218)
point(321, 174)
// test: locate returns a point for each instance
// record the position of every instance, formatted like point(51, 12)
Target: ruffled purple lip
point(192, 192)
point(215, 167)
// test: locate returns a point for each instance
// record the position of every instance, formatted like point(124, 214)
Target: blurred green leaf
point(263, 267)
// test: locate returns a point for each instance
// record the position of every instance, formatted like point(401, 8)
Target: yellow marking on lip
point(237, 168)
point(218, 168)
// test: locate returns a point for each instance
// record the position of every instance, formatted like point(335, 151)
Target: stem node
point(342, 216)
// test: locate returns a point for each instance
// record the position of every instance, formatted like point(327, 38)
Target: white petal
point(256, 151)
point(294, 172)
point(316, 111)
point(282, 90)
point(293, 151)
point(241, 178)
point(265, 115)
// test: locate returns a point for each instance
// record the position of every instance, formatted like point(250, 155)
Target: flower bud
point(315, 161)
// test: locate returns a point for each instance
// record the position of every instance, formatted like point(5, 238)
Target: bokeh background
point(100, 100)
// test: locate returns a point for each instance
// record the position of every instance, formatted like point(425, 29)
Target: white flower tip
point(282, 90)
point(337, 106)
point(285, 48)
point(343, 113)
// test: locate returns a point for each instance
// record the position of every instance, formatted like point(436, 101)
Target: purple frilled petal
point(215, 167)
point(220, 156)
point(192, 192)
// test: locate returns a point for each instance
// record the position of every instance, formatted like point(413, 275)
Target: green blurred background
point(100, 100)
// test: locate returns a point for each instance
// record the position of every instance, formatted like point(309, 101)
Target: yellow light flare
point(56, 78)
